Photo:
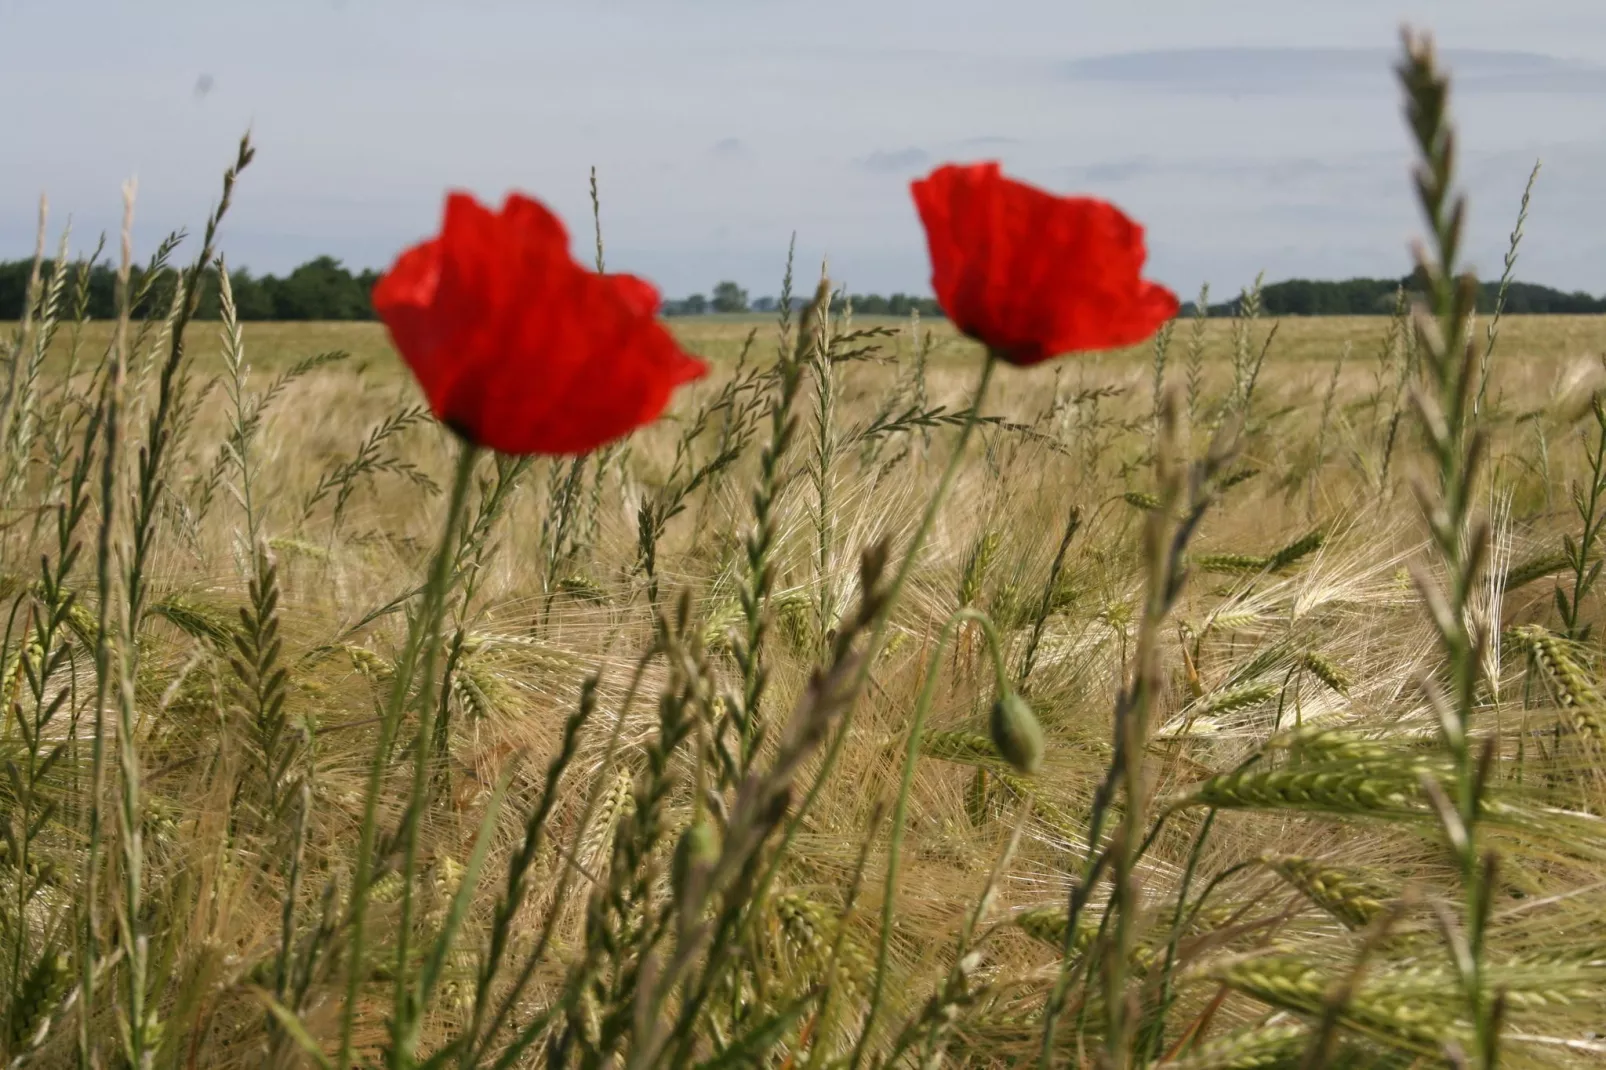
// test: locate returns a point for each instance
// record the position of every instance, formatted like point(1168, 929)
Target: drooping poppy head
point(519, 348)
point(1032, 275)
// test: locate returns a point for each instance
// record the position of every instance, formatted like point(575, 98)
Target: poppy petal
point(518, 347)
point(1032, 275)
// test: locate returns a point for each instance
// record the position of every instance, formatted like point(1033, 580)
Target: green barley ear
point(1230, 564)
point(34, 998)
point(583, 588)
point(1253, 564)
point(1241, 475)
point(1300, 548)
point(1048, 925)
point(977, 565)
point(1236, 698)
point(618, 804)
point(1294, 984)
point(1325, 670)
point(1574, 690)
point(1016, 733)
point(1345, 790)
point(810, 930)
point(475, 689)
point(1257, 1047)
point(1138, 499)
point(195, 619)
point(1283, 1046)
point(1342, 892)
point(966, 748)
point(1535, 568)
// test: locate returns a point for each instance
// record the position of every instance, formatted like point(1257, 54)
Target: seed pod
point(1016, 733)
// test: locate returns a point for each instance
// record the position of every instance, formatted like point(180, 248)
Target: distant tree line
point(320, 289)
point(727, 298)
point(324, 289)
point(1367, 297)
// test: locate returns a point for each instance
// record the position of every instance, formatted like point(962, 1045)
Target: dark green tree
point(320, 289)
point(729, 297)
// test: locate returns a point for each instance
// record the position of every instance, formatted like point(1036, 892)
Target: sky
point(1246, 135)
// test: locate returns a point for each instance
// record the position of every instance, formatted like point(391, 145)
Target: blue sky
point(1246, 135)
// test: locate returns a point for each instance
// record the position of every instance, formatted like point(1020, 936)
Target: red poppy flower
point(519, 348)
point(1032, 275)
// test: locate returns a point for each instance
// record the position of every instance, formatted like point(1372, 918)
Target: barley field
point(1217, 703)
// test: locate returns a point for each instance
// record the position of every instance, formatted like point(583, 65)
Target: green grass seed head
point(1344, 893)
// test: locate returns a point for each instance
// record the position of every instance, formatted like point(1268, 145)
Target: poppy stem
point(929, 519)
point(928, 694)
point(408, 1012)
point(423, 638)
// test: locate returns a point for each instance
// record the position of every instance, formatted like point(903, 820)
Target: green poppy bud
point(1016, 733)
point(698, 849)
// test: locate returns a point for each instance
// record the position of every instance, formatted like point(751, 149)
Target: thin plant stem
point(1492, 332)
point(900, 810)
point(407, 1016)
point(426, 625)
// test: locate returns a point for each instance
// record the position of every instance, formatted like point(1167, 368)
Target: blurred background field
point(1299, 339)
